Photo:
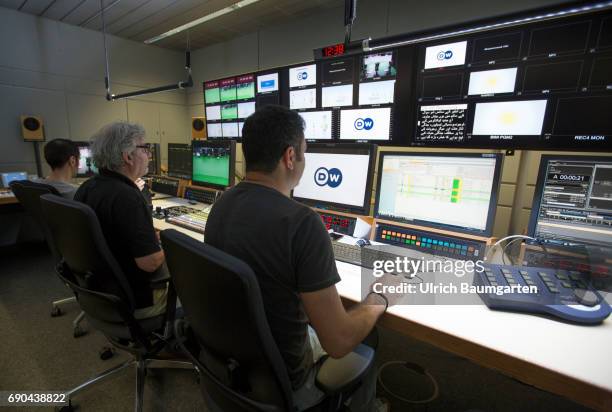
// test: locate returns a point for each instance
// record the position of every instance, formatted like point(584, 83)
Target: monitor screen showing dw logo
point(328, 177)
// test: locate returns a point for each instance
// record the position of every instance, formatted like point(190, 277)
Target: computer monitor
point(338, 176)
point(572, 202)
point(86, 165)
point(452, 191)
point(213, 163)
point(7, 178)
point(179, 160)
point(365, 124)
point(154, 159)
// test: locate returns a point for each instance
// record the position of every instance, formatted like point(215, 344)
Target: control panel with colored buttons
point(441, 245)
point(340, 224)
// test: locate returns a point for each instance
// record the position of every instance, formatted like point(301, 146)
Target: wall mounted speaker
point(32, 129)
point(198, 128)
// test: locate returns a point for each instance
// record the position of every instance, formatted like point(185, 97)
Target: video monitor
point(9, 177)
point(337, 176)
point(154, 159)
point(228, 90)
point(560, 39)
point(339, 71)
point(365, 124)
point(229, 111)
point(267, 99)
point(245, 109)
point(86, 165)
point(213, 163)
point(445, 55)
point(497, 47)
point(452, 191)
point(211, 92)
point(492, 81)
point(213, 112)
point(442, 85)
point(303, 76)
point(572, 202)
point(303, 99)
point(378, 66)
point(267, 83)
point(586, 119)
point(317, 125)
point(563, 76)
point(513, 118)
point(229, 130)
point(381, 92)
point(213, 130)
point(442, 123)
point(240, 126)
point(245, 87)
point(337, 96)
point(179, 160)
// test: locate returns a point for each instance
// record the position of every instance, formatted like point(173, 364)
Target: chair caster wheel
point(66, 408)
point(56, 311)
point(106, 353)
point(78, 331)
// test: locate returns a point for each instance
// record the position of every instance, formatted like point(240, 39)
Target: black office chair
point(28, 193)
point(104, 293)
point(240, 366)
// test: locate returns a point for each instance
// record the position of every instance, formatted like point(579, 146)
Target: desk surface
point(7, 198)
point(566, 359)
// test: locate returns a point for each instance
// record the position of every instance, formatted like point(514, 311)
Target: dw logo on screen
point(302, 75)
point(330, 177)
point(445, 55)
point(364, 124)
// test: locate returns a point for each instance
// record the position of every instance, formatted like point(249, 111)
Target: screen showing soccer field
point(444, 190)
point(245, 87)
point(228, 90)
point(229, 111)
point(365, 124)
point(211, 92)
point(211, 164)
point(317, 125)
point(334, 178)
point(518, 118)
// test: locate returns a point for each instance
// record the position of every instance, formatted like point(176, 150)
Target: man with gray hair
point(121, 155)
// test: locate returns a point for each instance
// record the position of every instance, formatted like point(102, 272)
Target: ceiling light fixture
point(208, 17)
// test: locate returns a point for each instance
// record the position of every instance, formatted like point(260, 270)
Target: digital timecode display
point(335, 50)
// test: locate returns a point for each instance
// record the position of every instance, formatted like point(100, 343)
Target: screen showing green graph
point(443, 190)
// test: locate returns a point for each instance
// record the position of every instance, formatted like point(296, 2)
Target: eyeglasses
point(146, 147)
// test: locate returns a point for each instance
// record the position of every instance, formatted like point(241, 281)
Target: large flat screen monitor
point(450, 191)
point(338, 176)
point(213, 163)
point(86, 165)
point(179, 160)
point(9, 177)
point(572, 202)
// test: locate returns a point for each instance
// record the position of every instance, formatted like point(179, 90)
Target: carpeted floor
point(38, 352)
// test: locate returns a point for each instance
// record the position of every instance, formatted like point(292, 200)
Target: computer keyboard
point(195, 221)
point(366, 255)
point(565, 294)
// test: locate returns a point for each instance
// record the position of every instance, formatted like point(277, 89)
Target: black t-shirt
point(127, 226)
point(288, 248)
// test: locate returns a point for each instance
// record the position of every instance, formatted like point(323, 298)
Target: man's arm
point(340, 331)
point(152, 262)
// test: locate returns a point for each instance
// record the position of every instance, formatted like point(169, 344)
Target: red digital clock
point(335, 50)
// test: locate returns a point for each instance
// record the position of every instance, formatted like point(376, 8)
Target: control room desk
point(569, 360)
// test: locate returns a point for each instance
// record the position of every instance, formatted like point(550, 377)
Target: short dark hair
point(58, 152)
point(266, 135)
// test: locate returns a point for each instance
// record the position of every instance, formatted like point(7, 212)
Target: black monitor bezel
point(537, 193)
point(154, 153)
point(364, 210)
point(232, 163)
point(179, 175)
point(487, 232)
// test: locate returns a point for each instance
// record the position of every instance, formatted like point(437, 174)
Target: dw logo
point(445, 55)
point(302, 75)
point(330, 177)
point(364, 124)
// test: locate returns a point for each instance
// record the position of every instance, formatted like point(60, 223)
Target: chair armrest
point(338, 375)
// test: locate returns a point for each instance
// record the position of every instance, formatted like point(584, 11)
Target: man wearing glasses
point(122, 157)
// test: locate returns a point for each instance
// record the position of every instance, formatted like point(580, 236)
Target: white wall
point(56, 71)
